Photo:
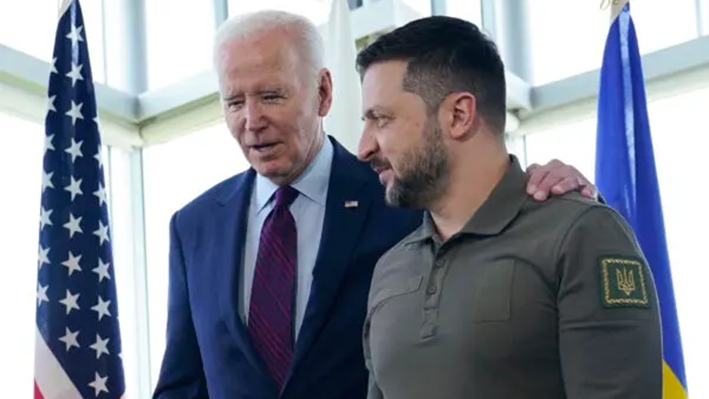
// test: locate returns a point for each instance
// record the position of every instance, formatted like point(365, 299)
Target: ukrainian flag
point(626, 176)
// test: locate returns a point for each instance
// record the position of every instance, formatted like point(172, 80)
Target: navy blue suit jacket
point(209, 353)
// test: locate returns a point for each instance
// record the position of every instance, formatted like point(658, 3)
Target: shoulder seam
point(574, 222)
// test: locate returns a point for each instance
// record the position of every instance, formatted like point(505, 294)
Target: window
point(122, 203)
point(37, 38)
point(175, 173)
point(515, 146)
point(680, 148)
point(680, 152)
point(465, 9)
point(567, 37)
point(93, 26)
point(315, 10)
point(676, 23)
point(354, 4)
point(20, 169)
point(178, 40)
point(318, 11)
point(572, 143)
point(416, 8)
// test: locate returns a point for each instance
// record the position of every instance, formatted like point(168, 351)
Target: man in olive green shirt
point(495, 296)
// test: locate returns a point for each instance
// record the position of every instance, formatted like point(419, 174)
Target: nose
point(254, 116)
point(367, 145)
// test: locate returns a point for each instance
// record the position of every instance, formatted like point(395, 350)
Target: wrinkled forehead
point(263, 58)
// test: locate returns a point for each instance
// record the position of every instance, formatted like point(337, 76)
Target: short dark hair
point(445, 55)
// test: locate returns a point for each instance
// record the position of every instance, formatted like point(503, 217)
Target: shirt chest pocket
point(492, 292)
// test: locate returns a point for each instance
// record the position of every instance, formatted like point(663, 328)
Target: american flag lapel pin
point(351, 204)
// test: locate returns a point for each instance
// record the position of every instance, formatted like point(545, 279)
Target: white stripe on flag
point(49, 375)
point(63, 7)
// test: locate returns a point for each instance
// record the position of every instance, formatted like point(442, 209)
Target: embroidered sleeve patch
point(623, 282)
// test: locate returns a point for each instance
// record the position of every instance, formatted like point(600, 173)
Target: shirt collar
point(499, 209)
point(312, 183)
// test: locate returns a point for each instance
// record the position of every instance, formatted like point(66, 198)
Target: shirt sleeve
point(609, 325)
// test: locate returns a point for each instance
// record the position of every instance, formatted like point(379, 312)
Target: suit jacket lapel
point(230, 235)
point(345, 214)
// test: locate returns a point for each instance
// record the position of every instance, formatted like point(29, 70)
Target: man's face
point(401, 140)
point(273, 103)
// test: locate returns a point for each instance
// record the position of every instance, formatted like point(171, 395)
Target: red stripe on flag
point(37, 392)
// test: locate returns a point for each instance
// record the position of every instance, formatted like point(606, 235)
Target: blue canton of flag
point(78, 344)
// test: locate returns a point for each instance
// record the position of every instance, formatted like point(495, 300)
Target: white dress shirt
point(308, 210)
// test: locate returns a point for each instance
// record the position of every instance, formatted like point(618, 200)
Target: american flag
point(78, 344)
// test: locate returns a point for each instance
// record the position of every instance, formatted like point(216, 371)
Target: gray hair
point(303, 33)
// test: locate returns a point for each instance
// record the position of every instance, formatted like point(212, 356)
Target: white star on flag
point(101, 308)
point(42, 294)
point(43, 256)
point(75, 35)
point(70, 338)
point(74, 188)
point(74, 307)
point(102, 232)
point(73, 225)
point(75, 112)
point(48, 142)
point(99, 384)
point(100, 346)
point(70, 301)
point(98, 157)
point(75, 73)
point(44, 218)
point(100, 194)
point(72, 263)
point(102, 270)
point(50, 105)
point(75, 149)
point(47, 180)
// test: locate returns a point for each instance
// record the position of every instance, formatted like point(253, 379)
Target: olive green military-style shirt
point(531, 300)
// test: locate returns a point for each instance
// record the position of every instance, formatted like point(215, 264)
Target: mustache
point(379, 164)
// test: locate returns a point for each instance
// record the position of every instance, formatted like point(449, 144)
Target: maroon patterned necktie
point(272, 304)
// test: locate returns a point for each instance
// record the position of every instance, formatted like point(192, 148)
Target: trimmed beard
point(425, 172)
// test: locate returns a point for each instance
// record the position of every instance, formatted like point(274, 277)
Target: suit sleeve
point(373, 391)
point(609, 325)
point(181, 373)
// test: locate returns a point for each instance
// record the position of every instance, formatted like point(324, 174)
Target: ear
point(461, 114)
point(325, 92)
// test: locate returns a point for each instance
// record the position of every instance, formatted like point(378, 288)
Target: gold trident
point(626, 280)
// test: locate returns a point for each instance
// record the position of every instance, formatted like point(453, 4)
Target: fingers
point(557, 178)
point(566, 185)
point(543, 177)
point(535, 177)
point(531, 168)
point(590, 191)
point(554, 184)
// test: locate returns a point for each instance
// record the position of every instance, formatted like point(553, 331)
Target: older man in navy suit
point(270, 269)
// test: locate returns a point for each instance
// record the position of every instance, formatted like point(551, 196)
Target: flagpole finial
point(615, 7)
